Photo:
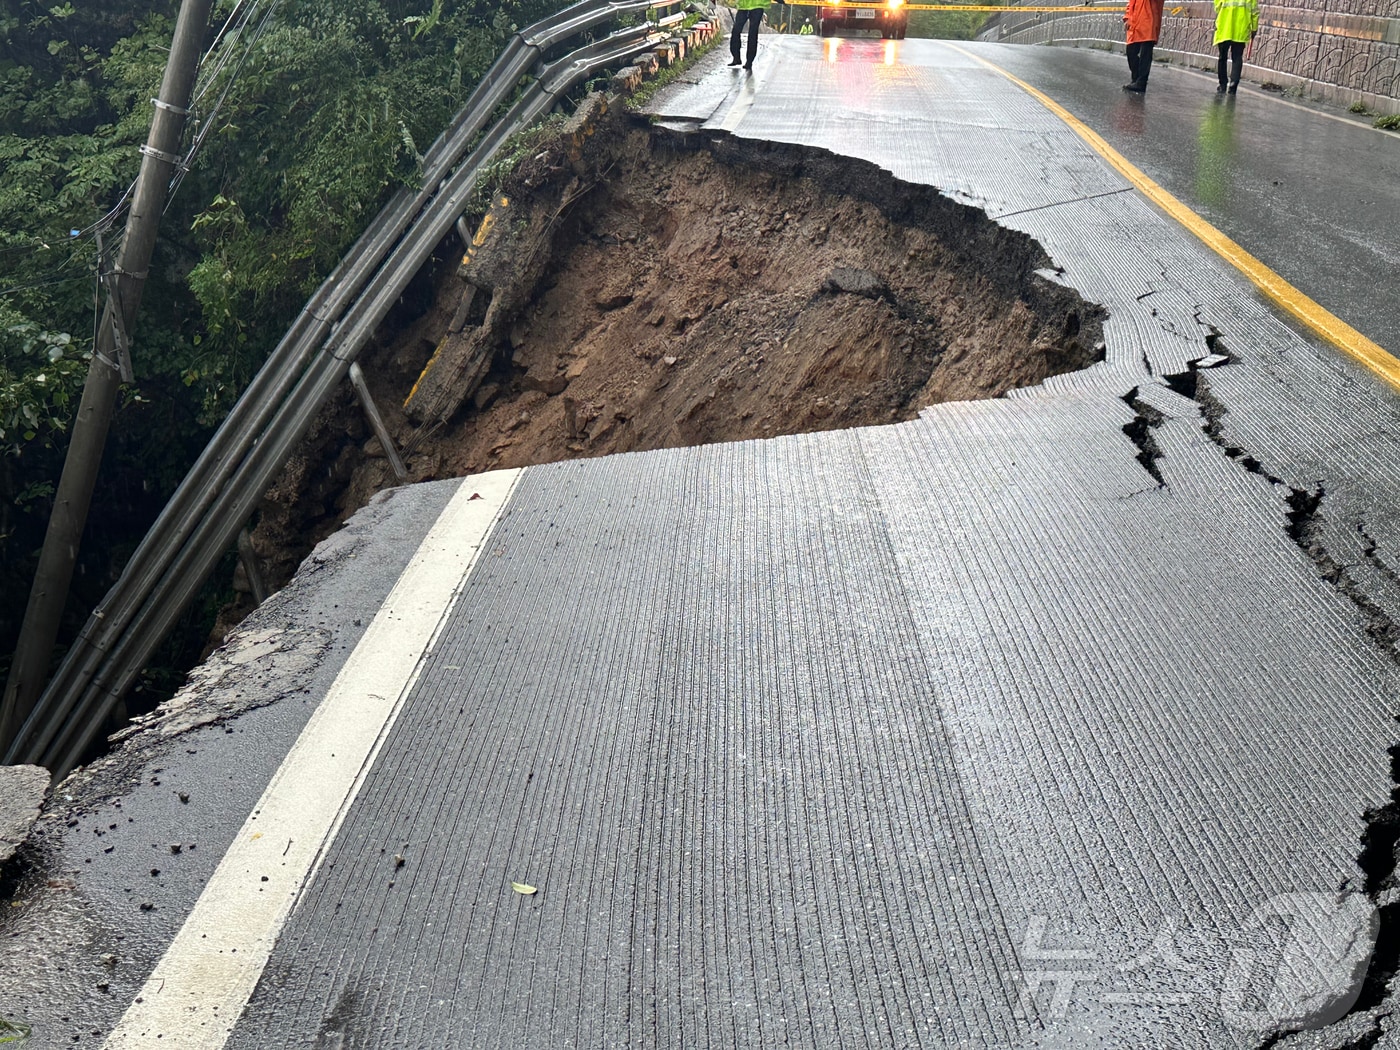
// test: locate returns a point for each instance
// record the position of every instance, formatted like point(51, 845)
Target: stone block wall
point(1342, 51)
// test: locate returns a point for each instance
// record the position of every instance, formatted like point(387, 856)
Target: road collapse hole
point(648, 288)
point(663, 289)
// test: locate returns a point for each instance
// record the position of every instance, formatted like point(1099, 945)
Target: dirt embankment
point(669, 289)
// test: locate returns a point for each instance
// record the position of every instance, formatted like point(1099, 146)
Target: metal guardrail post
point(249, 558)
point(376, 422)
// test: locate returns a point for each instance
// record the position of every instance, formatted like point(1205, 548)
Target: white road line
point(1274, 97)
point(200, 987)
point(748, 92)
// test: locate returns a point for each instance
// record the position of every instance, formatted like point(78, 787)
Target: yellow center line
point(1326, 324)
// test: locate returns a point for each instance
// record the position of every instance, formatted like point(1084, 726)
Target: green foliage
point(329, 114)
point(13, 1032)
point(1357, 107)
point(524, 143)
point(367, 85)
point(39, 371)
point(425, 23)
point(946, 25)
point(1390, 123)
point(71, 119)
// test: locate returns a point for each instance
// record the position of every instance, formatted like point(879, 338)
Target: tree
point(946, 25)
point(320, 120)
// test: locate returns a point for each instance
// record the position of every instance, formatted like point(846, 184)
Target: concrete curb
point(1334, 58)
point(667, 53)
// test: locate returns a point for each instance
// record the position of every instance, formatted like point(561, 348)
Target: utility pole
point(110, 366)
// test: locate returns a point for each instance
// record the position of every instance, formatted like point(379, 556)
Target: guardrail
point(221, 490)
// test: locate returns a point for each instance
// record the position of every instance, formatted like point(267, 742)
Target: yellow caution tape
point(1082, 9)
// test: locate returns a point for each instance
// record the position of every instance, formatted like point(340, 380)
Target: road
point(1048, 721)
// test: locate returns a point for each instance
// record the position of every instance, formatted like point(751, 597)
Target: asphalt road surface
point(1049, 721)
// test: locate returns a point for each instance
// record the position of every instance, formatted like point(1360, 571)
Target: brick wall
point(1342, 51)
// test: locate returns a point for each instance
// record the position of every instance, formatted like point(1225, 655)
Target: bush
point(329, 113)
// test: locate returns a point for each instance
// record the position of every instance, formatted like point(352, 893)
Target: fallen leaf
point(520, 887)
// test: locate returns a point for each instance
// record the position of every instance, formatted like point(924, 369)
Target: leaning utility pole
point(111, 364)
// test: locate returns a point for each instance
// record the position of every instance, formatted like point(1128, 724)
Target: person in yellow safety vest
point(750, 11)
point(806, 29)
point(1236, 22)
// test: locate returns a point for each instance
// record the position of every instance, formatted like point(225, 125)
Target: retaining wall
point(1342, 51)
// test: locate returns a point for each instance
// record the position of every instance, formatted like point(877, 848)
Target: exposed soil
point(665, 289)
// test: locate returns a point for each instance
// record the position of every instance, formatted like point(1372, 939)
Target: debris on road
point(23, 790)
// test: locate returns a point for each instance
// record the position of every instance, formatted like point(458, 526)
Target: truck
point(890, 18)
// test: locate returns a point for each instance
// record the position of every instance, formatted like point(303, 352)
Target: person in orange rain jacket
point(1143, 22)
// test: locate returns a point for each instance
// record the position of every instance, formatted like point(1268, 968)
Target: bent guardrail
point(223, 487)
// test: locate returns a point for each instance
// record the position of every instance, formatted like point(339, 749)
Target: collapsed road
point(1059, 719)
point(651, 289)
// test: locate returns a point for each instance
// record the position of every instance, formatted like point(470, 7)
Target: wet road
point(1049, 721)
point(1314, 193)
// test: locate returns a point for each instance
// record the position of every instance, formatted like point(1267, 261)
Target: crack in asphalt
point(1139, 432)
point(1369, 549)
point(1381, 834)
point(1305, 530)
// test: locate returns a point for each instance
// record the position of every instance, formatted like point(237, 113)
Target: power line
point(205, 123)
point(46, 283)
point(232, 45)
point(200, 89)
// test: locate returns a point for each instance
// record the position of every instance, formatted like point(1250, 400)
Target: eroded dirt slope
point(666, 289)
